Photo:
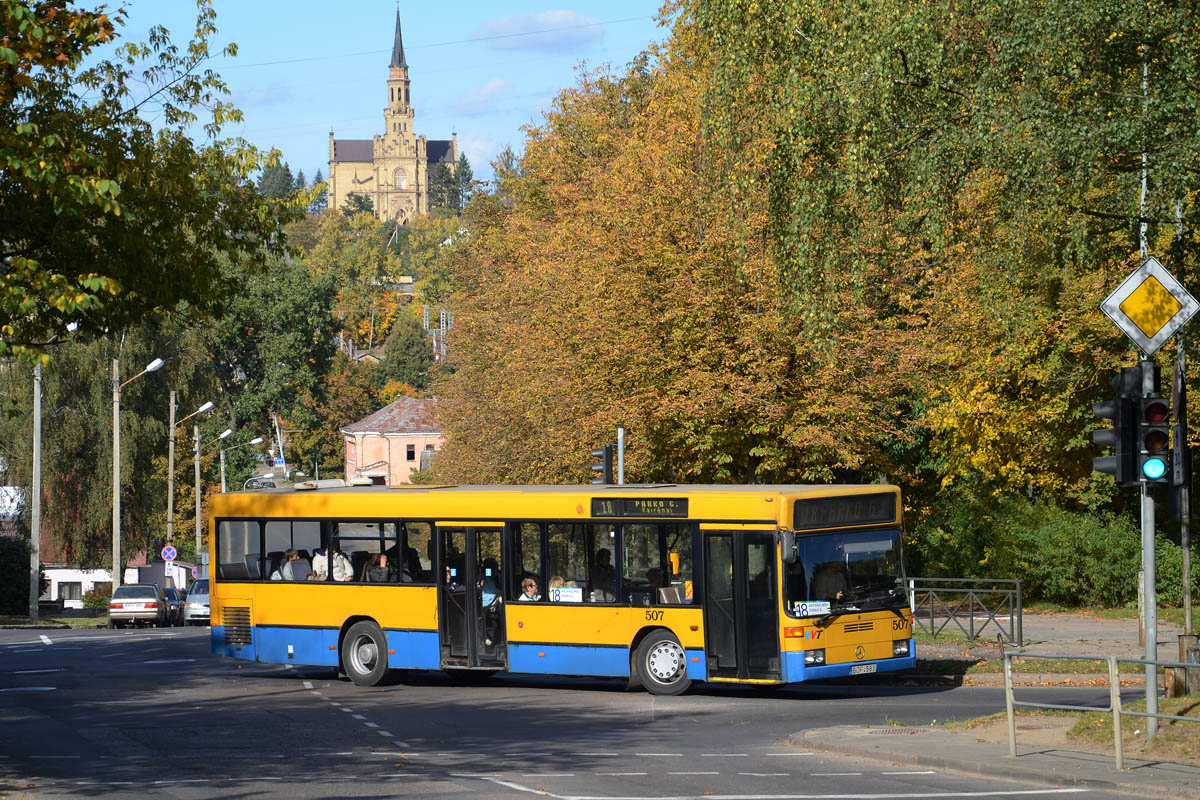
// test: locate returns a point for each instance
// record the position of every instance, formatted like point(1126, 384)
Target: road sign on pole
point(1150, 306)
point(168, 553)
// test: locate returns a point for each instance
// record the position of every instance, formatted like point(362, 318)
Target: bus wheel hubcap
point(665, 661)
point(364, 655)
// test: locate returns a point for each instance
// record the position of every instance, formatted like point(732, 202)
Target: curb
point(34, 627)
point(1004, 767)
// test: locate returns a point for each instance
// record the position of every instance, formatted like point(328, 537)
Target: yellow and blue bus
point(662, 584)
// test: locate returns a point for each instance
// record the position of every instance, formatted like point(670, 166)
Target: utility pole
point(171, 472)
point(35, 517)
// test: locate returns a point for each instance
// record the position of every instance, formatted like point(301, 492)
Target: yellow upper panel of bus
point(801, 507)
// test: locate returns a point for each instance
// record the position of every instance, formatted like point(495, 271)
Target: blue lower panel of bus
point(318, 647)
point(566, 659)
point(795, 671)
point(555, 659)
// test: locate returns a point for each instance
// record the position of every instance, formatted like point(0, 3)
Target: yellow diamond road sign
point(1150, 306)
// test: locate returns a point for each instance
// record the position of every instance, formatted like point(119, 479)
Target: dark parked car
point(139, 604)
point(175, 599)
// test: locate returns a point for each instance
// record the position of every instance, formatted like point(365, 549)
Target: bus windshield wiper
point(832, 615)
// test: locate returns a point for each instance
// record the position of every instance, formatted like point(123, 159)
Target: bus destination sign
point(639, 507)
point(850, 509)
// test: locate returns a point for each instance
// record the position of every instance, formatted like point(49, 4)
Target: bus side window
point(238, 540)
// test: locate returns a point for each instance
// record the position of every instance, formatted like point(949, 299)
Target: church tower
point(398, 116)
point(392, 169)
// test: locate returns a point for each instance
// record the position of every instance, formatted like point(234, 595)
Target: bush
point(1068, 557)
point(97, 599)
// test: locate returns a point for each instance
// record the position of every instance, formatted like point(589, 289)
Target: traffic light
point(1122, 436)
point(1154, 432)
point(603, 464)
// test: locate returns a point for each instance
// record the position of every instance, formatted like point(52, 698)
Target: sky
point(479, 69)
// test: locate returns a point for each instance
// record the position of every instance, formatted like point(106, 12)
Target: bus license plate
point(862, 669)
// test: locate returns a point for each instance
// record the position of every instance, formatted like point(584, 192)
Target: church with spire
point(391, 169)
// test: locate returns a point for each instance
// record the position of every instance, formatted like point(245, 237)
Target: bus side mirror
point(787, 546)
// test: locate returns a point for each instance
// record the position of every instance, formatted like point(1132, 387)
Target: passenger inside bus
point(829, 581)
point(603, 577)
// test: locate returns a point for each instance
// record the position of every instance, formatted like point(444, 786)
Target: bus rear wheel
point(662, 664)
point(364, 653)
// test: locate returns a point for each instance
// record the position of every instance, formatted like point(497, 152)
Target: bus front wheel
point(364, 653)
point(662, 664)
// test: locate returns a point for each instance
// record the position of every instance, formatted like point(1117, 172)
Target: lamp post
point(117, 386)
point(196, 452)
point(255, 440)
point(207, 406)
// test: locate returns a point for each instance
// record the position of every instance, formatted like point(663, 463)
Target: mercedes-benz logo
point(859, 653)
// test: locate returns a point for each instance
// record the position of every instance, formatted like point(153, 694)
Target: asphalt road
point(151, 713)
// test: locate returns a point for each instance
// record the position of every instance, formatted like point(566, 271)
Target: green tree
point(463, 178)
point(300, 182)
point(107, 217)
point(321, 201)
point(276, 181)
point(272, 349)
point(442, 187)
point(358, 204)
point(407, 354)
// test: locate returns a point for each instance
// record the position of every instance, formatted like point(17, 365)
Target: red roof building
point(389, 445)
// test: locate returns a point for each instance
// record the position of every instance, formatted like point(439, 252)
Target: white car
point(195, 606)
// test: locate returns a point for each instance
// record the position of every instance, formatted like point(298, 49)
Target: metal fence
point(1114, 696)
point(971, 604)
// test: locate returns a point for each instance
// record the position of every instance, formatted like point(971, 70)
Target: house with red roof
point(391, 444)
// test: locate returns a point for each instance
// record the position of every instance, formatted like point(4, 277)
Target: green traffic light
point(1154, 468)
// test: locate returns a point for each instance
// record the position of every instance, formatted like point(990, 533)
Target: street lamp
point(117, 386)
point(171, 464)
point(255, 440)
point(196, 452)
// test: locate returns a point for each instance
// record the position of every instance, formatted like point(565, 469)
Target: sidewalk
point(945, 749)
point(1067, 633)
point(1041, 756)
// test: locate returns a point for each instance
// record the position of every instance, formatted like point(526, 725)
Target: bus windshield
point(846, 571)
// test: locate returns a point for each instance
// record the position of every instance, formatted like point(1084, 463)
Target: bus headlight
point(900, 647)
point(813, 658)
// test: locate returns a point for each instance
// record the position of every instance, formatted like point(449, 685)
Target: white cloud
point(483, 99)
point(258, 98)
point(552, 31)
point(480, 150)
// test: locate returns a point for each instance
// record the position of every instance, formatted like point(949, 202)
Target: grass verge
point(77, 619)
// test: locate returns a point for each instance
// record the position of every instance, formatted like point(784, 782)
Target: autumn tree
point(109, 213)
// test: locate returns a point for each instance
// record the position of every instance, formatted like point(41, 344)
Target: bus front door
point(741, 620)
point(470, 598)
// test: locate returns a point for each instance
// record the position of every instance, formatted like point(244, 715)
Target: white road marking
point(45, 639)
point(34, 650)
point(832, 774)
point(307, 684)
point(548, 775)
point(621, 773)
point(891, 796)
point(693, 773)
point(54, 756)
point(34, 671)
point(921, 772)
point(371, 725)
point(659, 755)
point(765, 774)
point(30, 689)
point(806, 753)
point(401, 774)
point(725, 755)
point(358, 716)
point(595, 754)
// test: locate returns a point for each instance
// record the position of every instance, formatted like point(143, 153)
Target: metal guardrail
point(1114, 696)
point(936, 602)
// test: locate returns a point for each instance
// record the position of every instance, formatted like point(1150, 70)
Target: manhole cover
point(896, 731)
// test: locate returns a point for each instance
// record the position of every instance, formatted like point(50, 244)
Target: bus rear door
point(470, 597)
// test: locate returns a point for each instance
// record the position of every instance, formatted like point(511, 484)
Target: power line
point(440, 44)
